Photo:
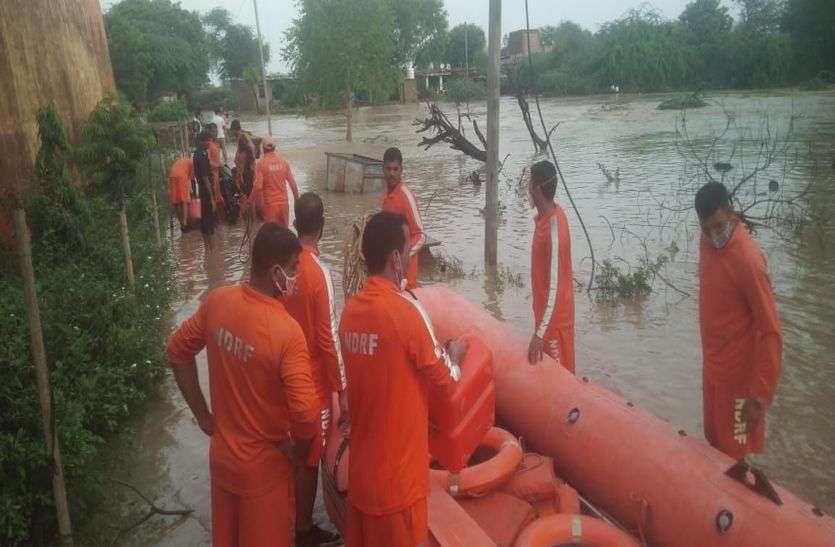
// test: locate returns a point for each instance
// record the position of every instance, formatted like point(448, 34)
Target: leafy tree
point(761, 16)
point(707, 26)
point(811, 25)
point(233, 47)
point(340, 47)
point(418, 22)
point(156, 47)
point(476, 44)
point(433, 51)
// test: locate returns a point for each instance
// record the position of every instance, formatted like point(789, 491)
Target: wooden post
point(153, 189)
point(491, 224)
point(349, 115)
point(33, 316)
point(267, 91)
point(467, 49)
point(123, 225)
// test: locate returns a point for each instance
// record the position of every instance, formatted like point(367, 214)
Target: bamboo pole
point(123, 225)
point(268, 92)
point(349, 116)
point(33, 317)
point(154, 207)
point(491, 225)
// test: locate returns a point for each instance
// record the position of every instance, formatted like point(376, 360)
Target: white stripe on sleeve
point(454, 370)
point(410, 197)
point(343, 380)
point(554, 282)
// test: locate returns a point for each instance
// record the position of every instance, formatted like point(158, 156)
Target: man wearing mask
point(742, 344)
point(276, 181)
point(551, 272)
point(393, 360)
point(264, 409)
point(399, 198)
point(312, 306)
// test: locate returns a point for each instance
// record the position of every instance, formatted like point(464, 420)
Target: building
point(517, 45)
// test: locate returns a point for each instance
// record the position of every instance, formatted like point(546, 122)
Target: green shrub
point(104, 343)
point(169, 111)
point(216, 98)
point(463, 91)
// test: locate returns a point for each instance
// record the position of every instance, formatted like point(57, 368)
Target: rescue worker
point(742, 344)
point(399, 198)
point(393, 359)
point(245, 172)
point(179, 179)
point(214, 158)
point(264, 409)
point(276, 176)
point(551, 272)
point(313, 307)
point(203, 173)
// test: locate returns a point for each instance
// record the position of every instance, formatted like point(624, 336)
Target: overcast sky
point(277, 15)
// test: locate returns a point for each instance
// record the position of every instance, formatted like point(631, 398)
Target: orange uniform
point(313, 308)
point(392, 359)
point(179, 180)
point(552, 285)
point(262, 393)
point(742, 344)
point(402, 201)
point(276, 175)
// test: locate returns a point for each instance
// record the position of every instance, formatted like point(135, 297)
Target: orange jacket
point(179, 177)
point(313, 307)
point(742, 344)
point(392, 358)
point(551, 276)
point(402, 201)
point(260, 379)
point(214, 159)
point(275, 175)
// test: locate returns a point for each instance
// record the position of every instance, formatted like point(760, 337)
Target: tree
point(811, 25)
point(707, 26)
point(761, 16)
point(156, 47)
point(418, 23)
point(476, 44)
point(337, 48)
point(233, 47)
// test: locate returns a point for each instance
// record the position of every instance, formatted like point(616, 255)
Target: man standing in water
point(220, 122)
point(742, 344)
point(551, 272)
point(399, 198)
point(264, 404)
point(392, 358)
point(180, 177)
point(312, 306)
point(203, 172)
point(276, 176)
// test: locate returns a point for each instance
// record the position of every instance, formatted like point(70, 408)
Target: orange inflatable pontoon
point(668, 488)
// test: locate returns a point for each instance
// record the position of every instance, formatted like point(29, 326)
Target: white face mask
point(721, 239)
point(290, 286)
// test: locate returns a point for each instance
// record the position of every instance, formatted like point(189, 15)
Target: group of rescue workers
point(279, 360)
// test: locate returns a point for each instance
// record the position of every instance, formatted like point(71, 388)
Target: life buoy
point(485, 476)
point(572, 530)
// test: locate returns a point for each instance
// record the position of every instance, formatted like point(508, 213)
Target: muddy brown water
point(647, 350)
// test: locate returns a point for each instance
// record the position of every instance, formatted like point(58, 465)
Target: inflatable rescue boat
point(595, 469)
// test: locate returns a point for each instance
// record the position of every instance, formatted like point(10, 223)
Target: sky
point(277, 15)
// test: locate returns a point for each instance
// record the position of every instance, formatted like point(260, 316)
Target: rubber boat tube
point(666, 486)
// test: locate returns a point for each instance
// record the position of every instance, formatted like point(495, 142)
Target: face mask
point(290, 287)
point(398, 272)
point(721, 239)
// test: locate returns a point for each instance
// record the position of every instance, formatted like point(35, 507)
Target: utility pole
point(491, 224)
point(267, 92)
point(467, 49)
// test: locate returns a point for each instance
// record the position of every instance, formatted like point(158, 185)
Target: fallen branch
point(539, 143)
point(154, 510)
point(446, 132)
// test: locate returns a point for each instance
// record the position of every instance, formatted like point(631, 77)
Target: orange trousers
point(280, 214)
point(559, 344)
point(723, 422)
point(406, 528)
point(265, 520)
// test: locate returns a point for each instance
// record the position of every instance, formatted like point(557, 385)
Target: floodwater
point(648, 350)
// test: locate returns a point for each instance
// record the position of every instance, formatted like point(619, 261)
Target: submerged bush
point(104, 342)
point(463, 91)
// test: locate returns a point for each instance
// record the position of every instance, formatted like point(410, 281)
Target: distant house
point(517, 45)
point(248, 101)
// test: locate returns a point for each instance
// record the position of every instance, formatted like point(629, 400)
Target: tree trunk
point(123, 224)
point(349, 115)
point(33, 316)
point(154, 208)
point(491, 209)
